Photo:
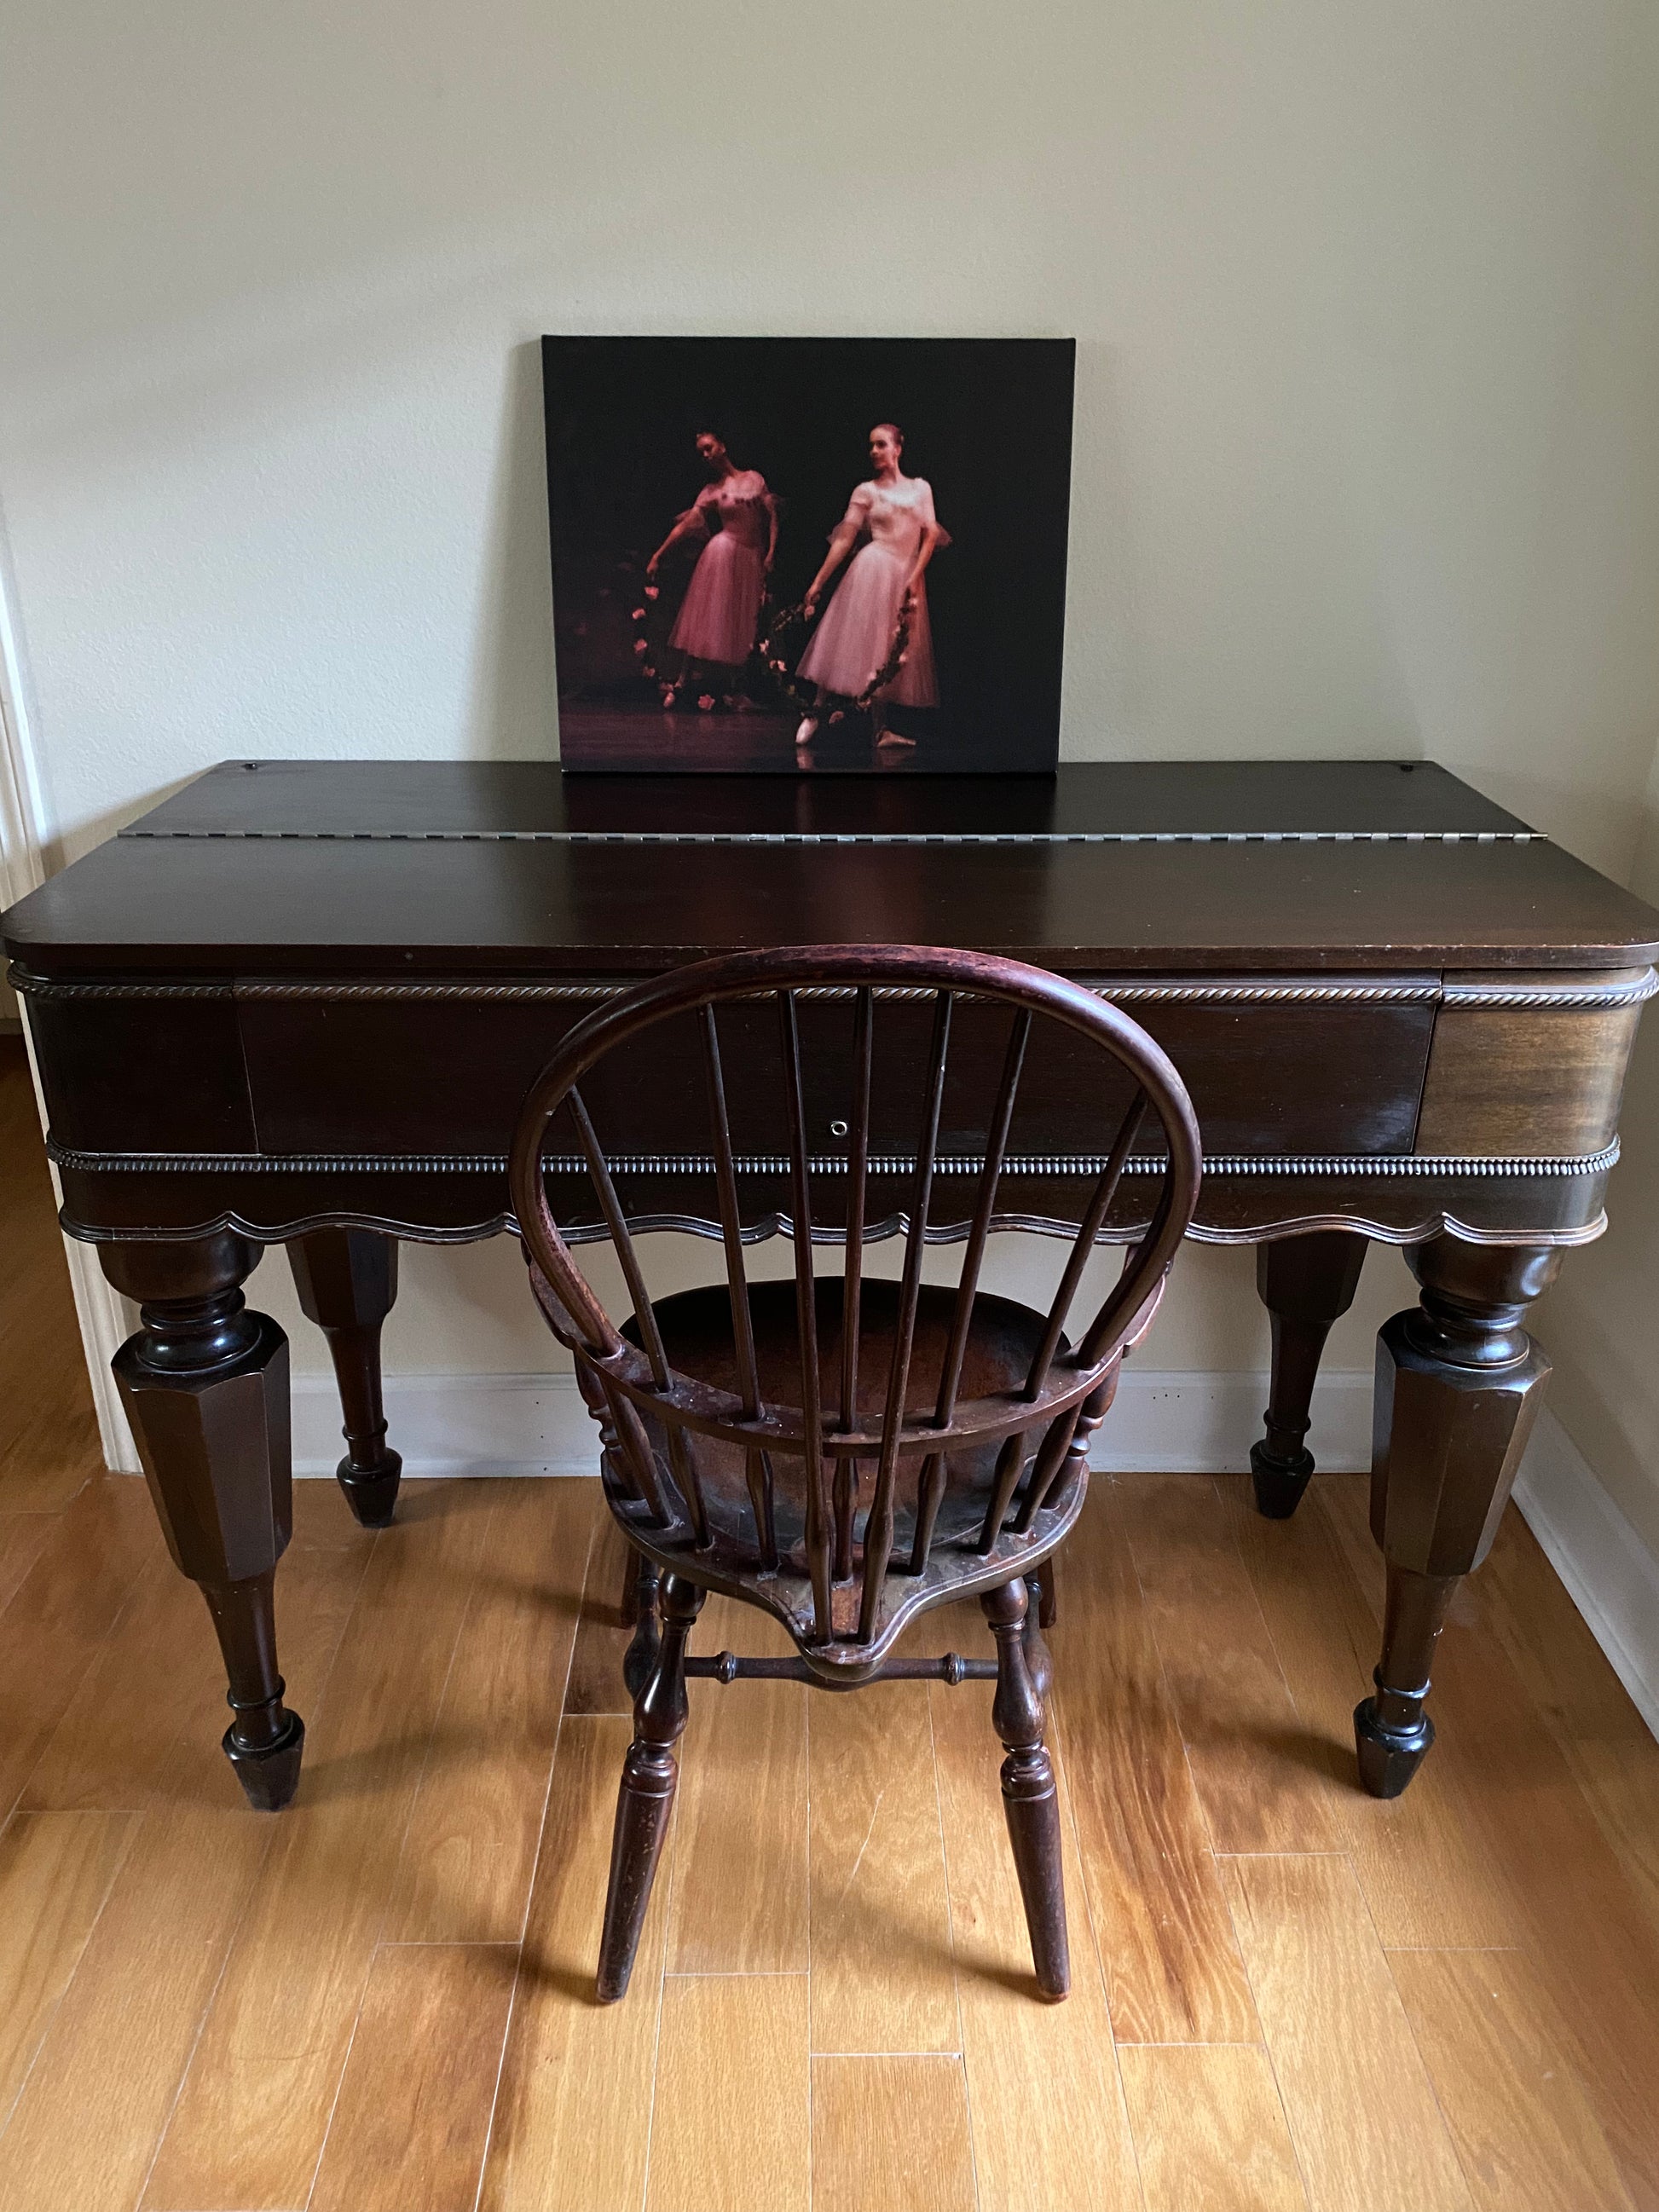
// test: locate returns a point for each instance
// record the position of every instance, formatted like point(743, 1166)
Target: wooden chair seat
point(962, 1557)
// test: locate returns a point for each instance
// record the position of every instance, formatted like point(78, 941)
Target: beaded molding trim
point(842, 837)
point(1425, 991)
point(1027, 1167)
point(1416, 1229)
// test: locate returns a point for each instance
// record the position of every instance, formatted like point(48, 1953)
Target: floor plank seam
point(1062, 1747)
point(1170, 1698)
point(462, 1618)
point(596, 1524)
point(202, 2018)
point(231, 1945)
point(1455, 1950)
point(339, 2081)
point(956, 1962)
point(885, 2054)
point(656, 2036)
point(1255, 1999)
point(736, 1973)
point(489, 2142)
point(49, 1513)
point(46, 2027)
point(347, 1615)
point(806, 1768)
point(668, 1877)
point(94, 1655)
point(1334, 1852)
point(1472, 2180)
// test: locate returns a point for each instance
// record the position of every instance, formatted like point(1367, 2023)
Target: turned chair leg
point(1037, 1659)
point(1045, 1589)
point(640, 1660)
point(646, 1798)
point(1029, 1797)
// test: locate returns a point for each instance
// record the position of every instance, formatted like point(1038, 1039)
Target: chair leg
point(1037, 1659)
point(640, 1660)
point(1049, 1592)
point(1029, 1797)
point(646, 1798)
point(628, 1597)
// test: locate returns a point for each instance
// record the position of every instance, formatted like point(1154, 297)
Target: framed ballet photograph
point(809, 555)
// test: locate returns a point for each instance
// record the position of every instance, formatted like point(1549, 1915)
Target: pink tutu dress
point(856, 633)
point(720, 611)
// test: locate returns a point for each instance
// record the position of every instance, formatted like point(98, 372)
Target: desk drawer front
point(447, 1074)
point(128, 1072)
point(1546, 1078)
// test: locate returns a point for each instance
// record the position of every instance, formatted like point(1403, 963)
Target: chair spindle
point(681, 1459)
point(1104, 1191)
point(852, 1298)
point(930, 1487)
point(817, 1512)
point(758, 1467)
point(878, 1526)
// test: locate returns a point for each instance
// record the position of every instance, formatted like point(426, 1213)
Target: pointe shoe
point(807, 730)
point(892, 737)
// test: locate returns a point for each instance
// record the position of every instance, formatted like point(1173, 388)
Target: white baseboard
point(1179, 1422)
point(1171, 1421)
point(1605, 1567)
point(450, 1424)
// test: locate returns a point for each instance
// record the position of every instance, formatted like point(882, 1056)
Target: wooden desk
point(298, 1004)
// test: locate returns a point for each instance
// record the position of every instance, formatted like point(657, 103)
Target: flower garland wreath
point(784, 624)
point(779, 662)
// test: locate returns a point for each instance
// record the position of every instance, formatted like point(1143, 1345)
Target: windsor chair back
point(846, 1450)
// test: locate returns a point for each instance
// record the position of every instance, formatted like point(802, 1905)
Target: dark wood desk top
point(532, 798)
point(435, 867)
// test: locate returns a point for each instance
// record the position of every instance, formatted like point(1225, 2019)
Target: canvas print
point(809, 555)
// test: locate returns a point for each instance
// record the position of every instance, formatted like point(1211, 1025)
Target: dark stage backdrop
point(987, 422)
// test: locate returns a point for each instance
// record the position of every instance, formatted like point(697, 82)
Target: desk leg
point(205, 1386)
point(347, 1279)
point(1306, 1283)
point(1458, 1386)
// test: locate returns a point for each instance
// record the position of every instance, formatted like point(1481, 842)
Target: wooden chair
point(847, 1452)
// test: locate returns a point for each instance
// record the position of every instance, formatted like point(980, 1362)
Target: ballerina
point(883, 583)
point(720, 614)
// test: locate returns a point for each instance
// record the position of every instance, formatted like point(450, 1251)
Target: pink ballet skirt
point(855, 632)
point(720, 612)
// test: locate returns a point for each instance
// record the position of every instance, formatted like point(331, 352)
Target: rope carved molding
point(1029, 1167)
point(848, 837)
point(1624, 991)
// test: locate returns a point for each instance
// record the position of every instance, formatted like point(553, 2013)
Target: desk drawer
point(445, 1070)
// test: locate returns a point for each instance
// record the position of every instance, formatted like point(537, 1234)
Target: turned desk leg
point(347, 1279)
point(1306, 1283)
point(1458, 1386)
point(205, 1386)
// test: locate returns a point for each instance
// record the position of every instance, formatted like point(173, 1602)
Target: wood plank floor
point(1286, 1996)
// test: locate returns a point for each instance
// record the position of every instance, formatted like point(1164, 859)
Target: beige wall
point(1600, 1322)
point(1364, 299)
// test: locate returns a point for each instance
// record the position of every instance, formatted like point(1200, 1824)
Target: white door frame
point(24, 838)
